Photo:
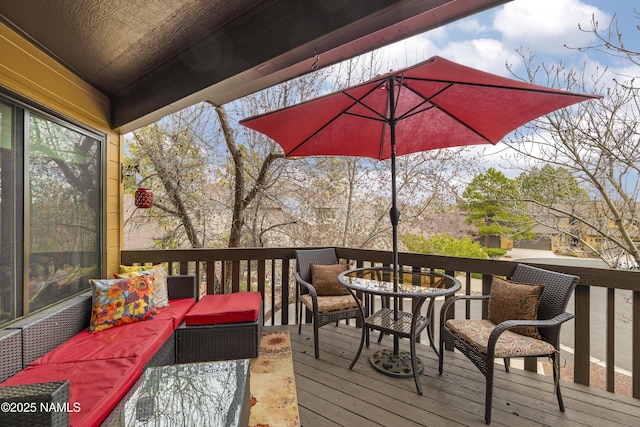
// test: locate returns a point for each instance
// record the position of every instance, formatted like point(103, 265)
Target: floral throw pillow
point(120, 301)
point(325, 279)
point(160, 292)
point(515, 301)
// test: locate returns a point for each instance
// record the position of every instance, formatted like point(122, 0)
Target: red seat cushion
point(141, 339)
point(177, 310)
point(96, 385)
point(227, 308)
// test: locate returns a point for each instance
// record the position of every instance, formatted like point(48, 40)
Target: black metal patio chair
point(330, 304)
point(538, 335)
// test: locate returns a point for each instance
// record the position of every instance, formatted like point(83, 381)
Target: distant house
point(569, 235)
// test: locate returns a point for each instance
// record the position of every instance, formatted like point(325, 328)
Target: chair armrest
point(308, 286)
point(508, 324)
point(451, 301)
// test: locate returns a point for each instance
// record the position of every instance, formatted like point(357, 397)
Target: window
point(10, 213)
point(50, 224)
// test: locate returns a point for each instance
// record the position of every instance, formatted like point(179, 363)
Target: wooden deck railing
point(270, 271)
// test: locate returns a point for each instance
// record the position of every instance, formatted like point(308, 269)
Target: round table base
point(395, 365)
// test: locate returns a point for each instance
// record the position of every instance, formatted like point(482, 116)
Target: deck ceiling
point(154, 57)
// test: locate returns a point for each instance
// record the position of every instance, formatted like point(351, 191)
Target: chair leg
point(302, 310)
point(316, 345)
point(488, 398)
point(414, 364)
point(441, 354)
point(556, 378)
point(364, 336)
point(506, 364)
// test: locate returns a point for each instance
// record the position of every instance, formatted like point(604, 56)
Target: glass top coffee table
point(418, 285)
point(191, 394)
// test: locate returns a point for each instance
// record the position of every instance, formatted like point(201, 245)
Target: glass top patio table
point(419, 285)
point(205, 393)
point(411, 283)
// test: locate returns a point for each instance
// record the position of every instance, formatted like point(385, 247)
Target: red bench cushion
point(141, 340)
point(97, 385)
point(227, 308)
point(176, 311)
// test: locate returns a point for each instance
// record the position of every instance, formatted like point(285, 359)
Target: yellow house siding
point(29, 72)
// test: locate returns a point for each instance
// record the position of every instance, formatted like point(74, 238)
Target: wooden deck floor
point(329, 394)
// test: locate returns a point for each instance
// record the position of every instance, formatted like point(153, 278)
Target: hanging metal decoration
point(144, 198)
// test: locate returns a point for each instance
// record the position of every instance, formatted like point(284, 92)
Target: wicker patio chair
point(483, 340)
point(324, 309)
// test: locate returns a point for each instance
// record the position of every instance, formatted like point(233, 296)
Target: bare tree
point(598, 142)
point(168, 157)
point(611, 40)
point(243, 194)
point(260, 177)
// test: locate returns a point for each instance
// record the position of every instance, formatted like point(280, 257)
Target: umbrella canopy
point(434, 104)
point(438, 104)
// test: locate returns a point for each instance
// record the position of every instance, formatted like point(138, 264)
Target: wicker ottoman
point(221, 327)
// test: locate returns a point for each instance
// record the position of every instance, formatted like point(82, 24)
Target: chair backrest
point(558, 288)
point(306, 257)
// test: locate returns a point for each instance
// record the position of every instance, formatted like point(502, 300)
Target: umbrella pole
point(397, 363)
point(394, 213)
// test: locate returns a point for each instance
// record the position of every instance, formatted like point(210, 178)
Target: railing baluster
point(261, 281)
point(286, 278)
point(486, 290)
point(467, 291)
point(582, 346)
point(610, 350)
point(249, 276)
point(235, 277)
point(211, 277)
point(273, 291)
point(635, 363)
point(223, 276)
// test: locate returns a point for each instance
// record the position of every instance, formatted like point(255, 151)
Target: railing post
point(635, 363)
point(486, 290)
point(582, 337)
point(286, 279)
point(610, 350)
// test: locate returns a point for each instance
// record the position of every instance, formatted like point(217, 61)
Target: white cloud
point(471, 26)
point(545, 26)
point(484, 54)
point(489, 40)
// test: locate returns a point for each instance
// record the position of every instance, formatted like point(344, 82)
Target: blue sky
point(489, 40)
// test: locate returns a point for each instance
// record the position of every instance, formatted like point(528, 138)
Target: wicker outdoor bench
point(221, 327)
point(26, 345)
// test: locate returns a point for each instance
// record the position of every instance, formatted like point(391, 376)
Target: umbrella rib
point(416, 110)
point(359, 101)
point(413, 111)
point(344, 111)
point(538, 89)
point(379, 119)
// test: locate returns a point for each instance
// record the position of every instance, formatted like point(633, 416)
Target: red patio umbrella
point(434, 104)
